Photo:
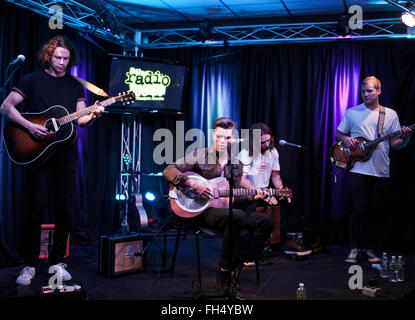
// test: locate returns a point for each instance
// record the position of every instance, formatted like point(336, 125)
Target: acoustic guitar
point(186, 203)
point(23, 149)
point(136, 199)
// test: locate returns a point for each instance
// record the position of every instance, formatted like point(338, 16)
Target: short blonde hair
point(371, 79)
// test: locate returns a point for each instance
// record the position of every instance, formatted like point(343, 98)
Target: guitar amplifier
point(46, 241)
point(121, 254)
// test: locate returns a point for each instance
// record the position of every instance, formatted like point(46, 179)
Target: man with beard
point(262, 170)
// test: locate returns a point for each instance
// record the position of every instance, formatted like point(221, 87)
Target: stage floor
point(325, 275)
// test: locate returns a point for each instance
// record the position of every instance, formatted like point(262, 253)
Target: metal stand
point(130, 169)
point(3, 87)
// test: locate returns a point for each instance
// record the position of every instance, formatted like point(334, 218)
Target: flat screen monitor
point(157, 86)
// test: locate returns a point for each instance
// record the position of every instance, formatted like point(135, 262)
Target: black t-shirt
point(42, 91)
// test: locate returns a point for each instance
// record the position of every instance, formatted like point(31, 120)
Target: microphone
point(233, 140)
point(283, 142)
point(20, 59)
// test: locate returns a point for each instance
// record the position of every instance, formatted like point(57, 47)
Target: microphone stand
point(2, 91)
point(3, 87)
point(231, 284)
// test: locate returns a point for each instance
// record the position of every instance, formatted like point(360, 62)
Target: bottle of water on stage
point(393, 270)
point(401, 269)
point(301, 293)
point(384, 266)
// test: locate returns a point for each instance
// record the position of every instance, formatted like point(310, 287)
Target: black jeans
point(368, 221)
point(237, 248)
point(51, 186)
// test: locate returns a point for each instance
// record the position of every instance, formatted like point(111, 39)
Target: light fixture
point(205, 32)
point(342, 27)
point(408, 16)
point(150, 196)
point(408, 19)
point(120, 197)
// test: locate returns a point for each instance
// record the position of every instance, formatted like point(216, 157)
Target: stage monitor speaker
point(121, 254)
point(46, 241)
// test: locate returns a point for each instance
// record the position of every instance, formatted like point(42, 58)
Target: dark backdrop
point(299, 90)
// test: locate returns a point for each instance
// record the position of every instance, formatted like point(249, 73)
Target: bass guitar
point(23, 149)
point(186, 203)
point(343, 157)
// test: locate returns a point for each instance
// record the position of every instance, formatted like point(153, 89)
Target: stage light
point(120, 197)
point(205, 32)
point(408, 19)
point(342, 27)
point(150, 196)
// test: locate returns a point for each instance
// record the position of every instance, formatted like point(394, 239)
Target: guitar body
point(142, 215)
point(186, 203)
point(344, 158)
point(24, 150)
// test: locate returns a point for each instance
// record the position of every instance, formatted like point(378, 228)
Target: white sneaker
point(25, 276)
point(353, 255)
point(60, 268)
point(249, 264)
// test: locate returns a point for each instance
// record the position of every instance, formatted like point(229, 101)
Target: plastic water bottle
point(384, 266)
point(393, 270)
point(301, 293)
point(401, 269)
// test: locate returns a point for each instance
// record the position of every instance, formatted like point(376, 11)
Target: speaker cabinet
point(46, 241)
point(121, 254)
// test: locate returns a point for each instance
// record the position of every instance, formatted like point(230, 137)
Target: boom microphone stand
point(3, 87)
point(230, 293)
point(3, 90)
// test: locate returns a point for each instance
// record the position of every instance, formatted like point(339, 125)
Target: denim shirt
point(204, 162)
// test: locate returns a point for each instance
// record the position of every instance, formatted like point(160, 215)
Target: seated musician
point(262, 169)
point(213, 162)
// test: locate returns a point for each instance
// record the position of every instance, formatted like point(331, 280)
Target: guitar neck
point(84, 112)
point(245, 192)
point(387, 137)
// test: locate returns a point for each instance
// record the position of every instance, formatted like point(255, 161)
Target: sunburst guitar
point(23, 149)
point(343, 157)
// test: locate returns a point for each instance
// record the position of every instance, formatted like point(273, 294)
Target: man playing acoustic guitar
point(369, 179)
point(37, 92)
point(211, 163)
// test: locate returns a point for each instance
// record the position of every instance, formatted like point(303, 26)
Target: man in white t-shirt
point(369, 179)
point(262, 169)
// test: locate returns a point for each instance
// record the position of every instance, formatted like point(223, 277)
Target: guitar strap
point(93, 88)
point(381, 120)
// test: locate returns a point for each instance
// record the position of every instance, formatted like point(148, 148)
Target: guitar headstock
point(284, 193)
point(126, 97)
